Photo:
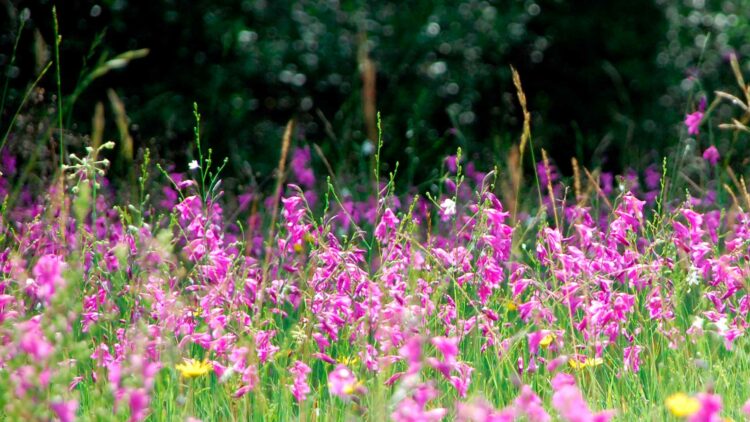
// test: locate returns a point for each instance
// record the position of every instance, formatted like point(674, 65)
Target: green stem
point(58, 39)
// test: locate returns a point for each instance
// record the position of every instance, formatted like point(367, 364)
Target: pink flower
point(448, 346)
point(530, 404)
point(138, 403)
point(411, 351)
point(413, 408)
point(711, 154)
point(301, 167)
point(387, 225)
point(569, 402)
point(263, 345)
point(65, 410)
point(342, 382)
point(33, 340)
point(481, 411)
point(632, 358)
point(693, 120)
point(463, 379)
point(300, 389)
point(408, 410)
point(710, 409)
point(47, 274)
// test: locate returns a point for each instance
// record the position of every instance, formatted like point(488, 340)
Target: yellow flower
point(547, 340)
point(682, 405)
point(510, 305)
point(576, 364)
point(348, 361)
point(192, 368)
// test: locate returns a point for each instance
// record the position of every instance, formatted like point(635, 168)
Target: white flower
point(449, 207)
point(697, 323)
point(692, 278)
point(367, 147)
point(193, 165)
point(721, 325)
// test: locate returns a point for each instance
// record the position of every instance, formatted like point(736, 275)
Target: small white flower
point(698, 323)
point(721, 325)
point(449, 207)
point(692, 278)
point(193, 165)
point(368, 147)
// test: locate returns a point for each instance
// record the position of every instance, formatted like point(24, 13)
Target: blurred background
point(608, 82)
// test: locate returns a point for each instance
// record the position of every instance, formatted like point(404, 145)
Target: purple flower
point(138, 404)
point(263, 345)
point(300, 389)
point(47, 274)
point(693, 120)
point(632, 358)
point(711, 154)
point(65, 410)
point(342, 382)
point(710, 408)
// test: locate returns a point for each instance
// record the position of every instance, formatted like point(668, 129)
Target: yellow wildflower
point(510, 305)
point(682, 405)
point(348, 361)
point(547, 340)
point(193, 368)
point(577, 364)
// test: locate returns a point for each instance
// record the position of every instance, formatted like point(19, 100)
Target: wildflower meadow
point(509, 292)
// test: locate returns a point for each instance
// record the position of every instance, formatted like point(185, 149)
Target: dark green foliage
point(604, 79)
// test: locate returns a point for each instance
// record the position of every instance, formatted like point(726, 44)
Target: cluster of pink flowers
point(400, 285)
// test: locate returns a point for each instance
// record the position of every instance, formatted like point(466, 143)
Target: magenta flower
point(411, 351)
point(569, 402)
point(632, 358)
point(693, 120)
point(301, 167)
point(387, 225)
point(47, 275)
point(530, 404)
point(709, 410)
point(463, 379)
point(65, 410)
point(33, 340)
point(342, 382)
point(447, 346)
point(263, 345)
point(711, 154)
point(138, 405)
point(300, 388)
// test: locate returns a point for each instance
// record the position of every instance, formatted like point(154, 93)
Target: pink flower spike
point(47, 276)
point(530, 404)
point(693, 122)
point(342, 382)
point(65, 410)
point(300, 388)
point(711, 154)
point(447, 346)
point(710, 409)
point(138, 404)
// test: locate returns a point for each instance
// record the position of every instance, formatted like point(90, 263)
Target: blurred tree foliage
point(607, 81)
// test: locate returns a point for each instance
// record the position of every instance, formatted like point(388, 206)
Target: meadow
point(498, 294)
